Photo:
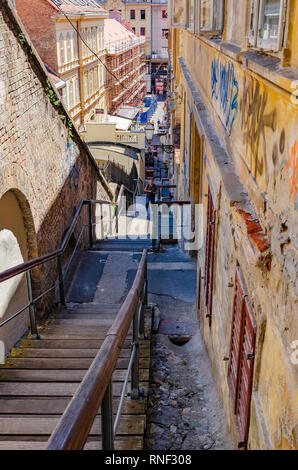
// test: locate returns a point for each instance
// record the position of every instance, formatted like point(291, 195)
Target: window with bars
point(267, 23)
point(242, 352)
point(209, 254)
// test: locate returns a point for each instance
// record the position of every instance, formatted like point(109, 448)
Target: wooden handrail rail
point(23, 267)
point(73, 429)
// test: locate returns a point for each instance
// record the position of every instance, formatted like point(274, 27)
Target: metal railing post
point(110, 219)
point(117, 220)
point(135, 367)
point(33, 325)
point(90, 226)
point(107, 429)
point(61, 282)
point(101, 222)
point(144, 303)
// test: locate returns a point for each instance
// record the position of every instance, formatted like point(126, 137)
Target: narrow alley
point(185, 411)
point(148, 228)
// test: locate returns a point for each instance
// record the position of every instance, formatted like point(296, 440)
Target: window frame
point(212, 28)
point(257, 9)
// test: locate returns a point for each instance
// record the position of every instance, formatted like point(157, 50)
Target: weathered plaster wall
point(250, 123)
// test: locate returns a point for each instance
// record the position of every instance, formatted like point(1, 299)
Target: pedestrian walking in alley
point(150, 190)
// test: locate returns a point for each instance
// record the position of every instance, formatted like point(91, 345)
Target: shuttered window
point(209, 254)
point(240, 374)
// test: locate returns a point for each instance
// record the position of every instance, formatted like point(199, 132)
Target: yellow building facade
point(84, 73)
point(234, 79)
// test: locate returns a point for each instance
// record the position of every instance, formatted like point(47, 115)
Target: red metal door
point(244, 387)
point(209, 254)
point(235, 337)
point(240, 373)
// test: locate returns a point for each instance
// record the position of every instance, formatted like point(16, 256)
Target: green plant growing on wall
point(51, 94)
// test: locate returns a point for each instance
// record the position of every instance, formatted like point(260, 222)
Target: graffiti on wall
point(292, 166)
point(259, 126)
point(225, 90)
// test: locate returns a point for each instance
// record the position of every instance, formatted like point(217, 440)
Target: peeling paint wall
point(247, 116)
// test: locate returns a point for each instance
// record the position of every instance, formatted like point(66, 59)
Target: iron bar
point(135, 366)
point(116, 422)
point(61, 282)
point(107, 419)
point(90, 226)
point(33, 325)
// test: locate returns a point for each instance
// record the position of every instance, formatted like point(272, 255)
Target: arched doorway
point(17, 244)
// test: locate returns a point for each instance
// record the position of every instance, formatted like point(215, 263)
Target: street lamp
point(165, 147)
point(149, 131)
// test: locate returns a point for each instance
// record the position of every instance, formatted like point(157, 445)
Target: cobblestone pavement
point(185, 411)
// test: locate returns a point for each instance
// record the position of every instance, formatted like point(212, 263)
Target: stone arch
point(18, 243)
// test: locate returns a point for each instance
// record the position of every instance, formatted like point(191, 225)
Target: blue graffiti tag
point(225, 88)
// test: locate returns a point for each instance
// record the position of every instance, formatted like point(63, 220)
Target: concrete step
point(123, 245)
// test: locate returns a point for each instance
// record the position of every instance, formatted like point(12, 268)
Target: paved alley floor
point(185, 411)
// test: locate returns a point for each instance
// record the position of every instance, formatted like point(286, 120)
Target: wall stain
point(225, 88)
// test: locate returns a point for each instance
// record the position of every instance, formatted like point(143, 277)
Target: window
point(94, 35)
point(242, 352)
point(164, 14)
point(89, 42)
point(96, 79)
point(85, 86)
point(133, 30)
point(70, 95)
point(84, 41)
point(75, 45)
point(143, 31)
point(178, 8)
point(77, 100)
point(190, 14)
point(132, 14)
point(165, 33)
point(61, 48)
point(143, 14)
point(211, 14)
point(267, 20)
point(209, 254)
point(90, 82)
point(68, 45)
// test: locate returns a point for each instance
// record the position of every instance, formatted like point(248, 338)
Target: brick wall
point(39, 19)
point(48, 170)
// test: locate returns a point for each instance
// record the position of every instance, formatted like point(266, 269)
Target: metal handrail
point(95, 390)
point(53, 255)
